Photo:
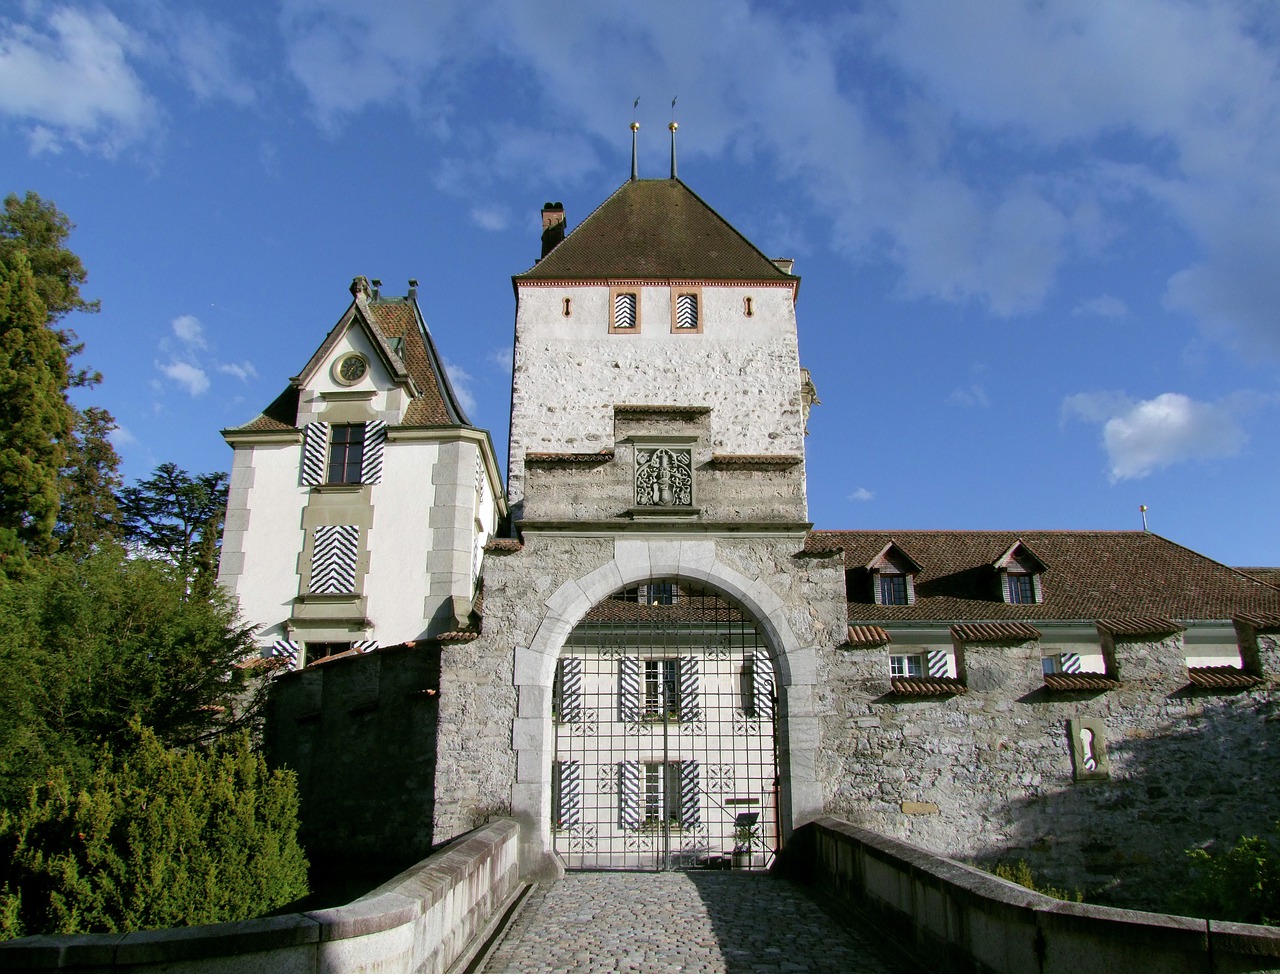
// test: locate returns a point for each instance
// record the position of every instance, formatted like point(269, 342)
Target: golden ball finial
point(635, 126)
point(673, 126)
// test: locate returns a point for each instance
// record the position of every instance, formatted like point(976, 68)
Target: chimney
point(552, 226)
point(377, 288)
point(413, 289)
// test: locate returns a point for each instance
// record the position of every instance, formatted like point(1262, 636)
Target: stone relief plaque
point(664, 477)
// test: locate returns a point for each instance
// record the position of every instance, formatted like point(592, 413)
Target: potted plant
point(743, 838)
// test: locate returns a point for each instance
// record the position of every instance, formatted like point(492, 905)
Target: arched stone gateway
point(665, 756)
point(648, 757)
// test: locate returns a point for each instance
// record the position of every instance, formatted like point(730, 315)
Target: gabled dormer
point(893, 576)
point(1018, 573)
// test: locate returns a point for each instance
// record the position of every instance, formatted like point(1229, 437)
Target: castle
point(644, 652)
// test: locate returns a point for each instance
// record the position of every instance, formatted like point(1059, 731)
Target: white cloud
point(191, 377)
point(974, 395)
point(189, 331)
point(862, 494)
point(462, 381)
point(120, 437)
point(1103, 306)
point(1149, 435)
point(489, 217)
point(72, 81)
point(244, 371)
point(501, 358)
point(204, 53)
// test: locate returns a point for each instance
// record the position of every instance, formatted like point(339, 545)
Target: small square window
point(1022, 589)
point(624, 312)
point(906, 666)
point(893, 589)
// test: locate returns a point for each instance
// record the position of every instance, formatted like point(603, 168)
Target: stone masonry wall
point(989, 775)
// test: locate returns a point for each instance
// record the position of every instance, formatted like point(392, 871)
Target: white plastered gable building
point(362, 498)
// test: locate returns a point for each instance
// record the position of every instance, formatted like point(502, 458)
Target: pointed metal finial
point(635, 127)
point(673, 126)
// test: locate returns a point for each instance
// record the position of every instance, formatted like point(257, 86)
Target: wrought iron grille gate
point(664, 712)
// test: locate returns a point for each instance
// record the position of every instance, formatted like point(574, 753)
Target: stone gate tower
point(657, 442)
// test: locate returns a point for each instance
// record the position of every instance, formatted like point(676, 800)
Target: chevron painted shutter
point(762, 686)
point(568, 793)
point(936, 663)
point(624, 310)
point(365, 645)
point(315, 444)
point(375, 435)
point(911, 588)
point(569, 698)
point(1037, 593)
point(690, 704)
point(690, 814)
point(286, 649)
point(333, 559)
point(686, 311)
point(1070, 662)
point(630, 779)
point(629, 689)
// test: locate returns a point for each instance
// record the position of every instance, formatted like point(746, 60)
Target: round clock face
point(352, 369)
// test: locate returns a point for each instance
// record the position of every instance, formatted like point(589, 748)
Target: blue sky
point(1038, 240)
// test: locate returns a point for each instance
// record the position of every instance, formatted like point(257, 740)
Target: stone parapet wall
point(422, 921)
point(994, 774)
point(957, 918)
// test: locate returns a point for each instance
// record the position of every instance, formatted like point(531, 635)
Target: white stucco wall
point(570, 372)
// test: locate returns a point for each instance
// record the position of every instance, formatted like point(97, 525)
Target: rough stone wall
point(361, 735)
point(989, 775)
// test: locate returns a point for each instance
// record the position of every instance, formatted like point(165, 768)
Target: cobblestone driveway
point(667, 922)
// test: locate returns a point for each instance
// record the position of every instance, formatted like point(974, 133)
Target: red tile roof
point(926, 686)
point(755, 460)
point(1079, 681)
point(1136, 626)
point(655, 229)
point(995, 632)
point(1221, 678)
point(867, 636)
point(1090, 575)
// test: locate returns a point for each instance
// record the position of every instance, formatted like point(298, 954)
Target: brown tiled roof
point(1263, 622)
point(1263, 574)
point(393, 321)
point(755, 460)
point(926, 686)
point(691, 606)
point(1091, 575)
point(474, 626)
point(1079, 681)
point(1221, 678)
point(1137, 626)
point(641, 408)
point(867, 636)
point(603, 456)
point(655, 229)
point(995, 632)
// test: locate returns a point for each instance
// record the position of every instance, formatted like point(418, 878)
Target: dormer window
point(893, 574)
point(1019, 571)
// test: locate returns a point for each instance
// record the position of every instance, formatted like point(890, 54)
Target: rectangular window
point(346, 453)
point(317, 651)
point(661, 793)
point(893, 589)
point(624, 311)
point(684, 312)
point(662, 688)
point(906, 666)
point(1022, 590)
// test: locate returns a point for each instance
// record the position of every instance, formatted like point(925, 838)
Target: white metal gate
point(664, 711)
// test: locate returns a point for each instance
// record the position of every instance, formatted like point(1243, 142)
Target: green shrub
point(1020, 873)
point(1241, 883)
point(160, 838)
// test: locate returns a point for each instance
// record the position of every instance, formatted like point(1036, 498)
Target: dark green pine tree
point(35, 417)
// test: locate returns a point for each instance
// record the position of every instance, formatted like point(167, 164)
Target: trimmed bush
point(160, 838)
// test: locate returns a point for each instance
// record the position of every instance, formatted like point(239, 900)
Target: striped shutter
point(935, 662)
point(690, 813)
point(686, 311)
point(911, 588)
point(630, 779)
point(624, 310)
point(1007, 586)
point(286, 649)
point(365, 645)
point(762, 686)
point(569, 702)
point(568, 793)
point(877, 592)
point(1037, 594)
point(315, 444)
point(1070, 662)
point(690, 704)
point(375, 435)
point(333, 559)
point(629, 689)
